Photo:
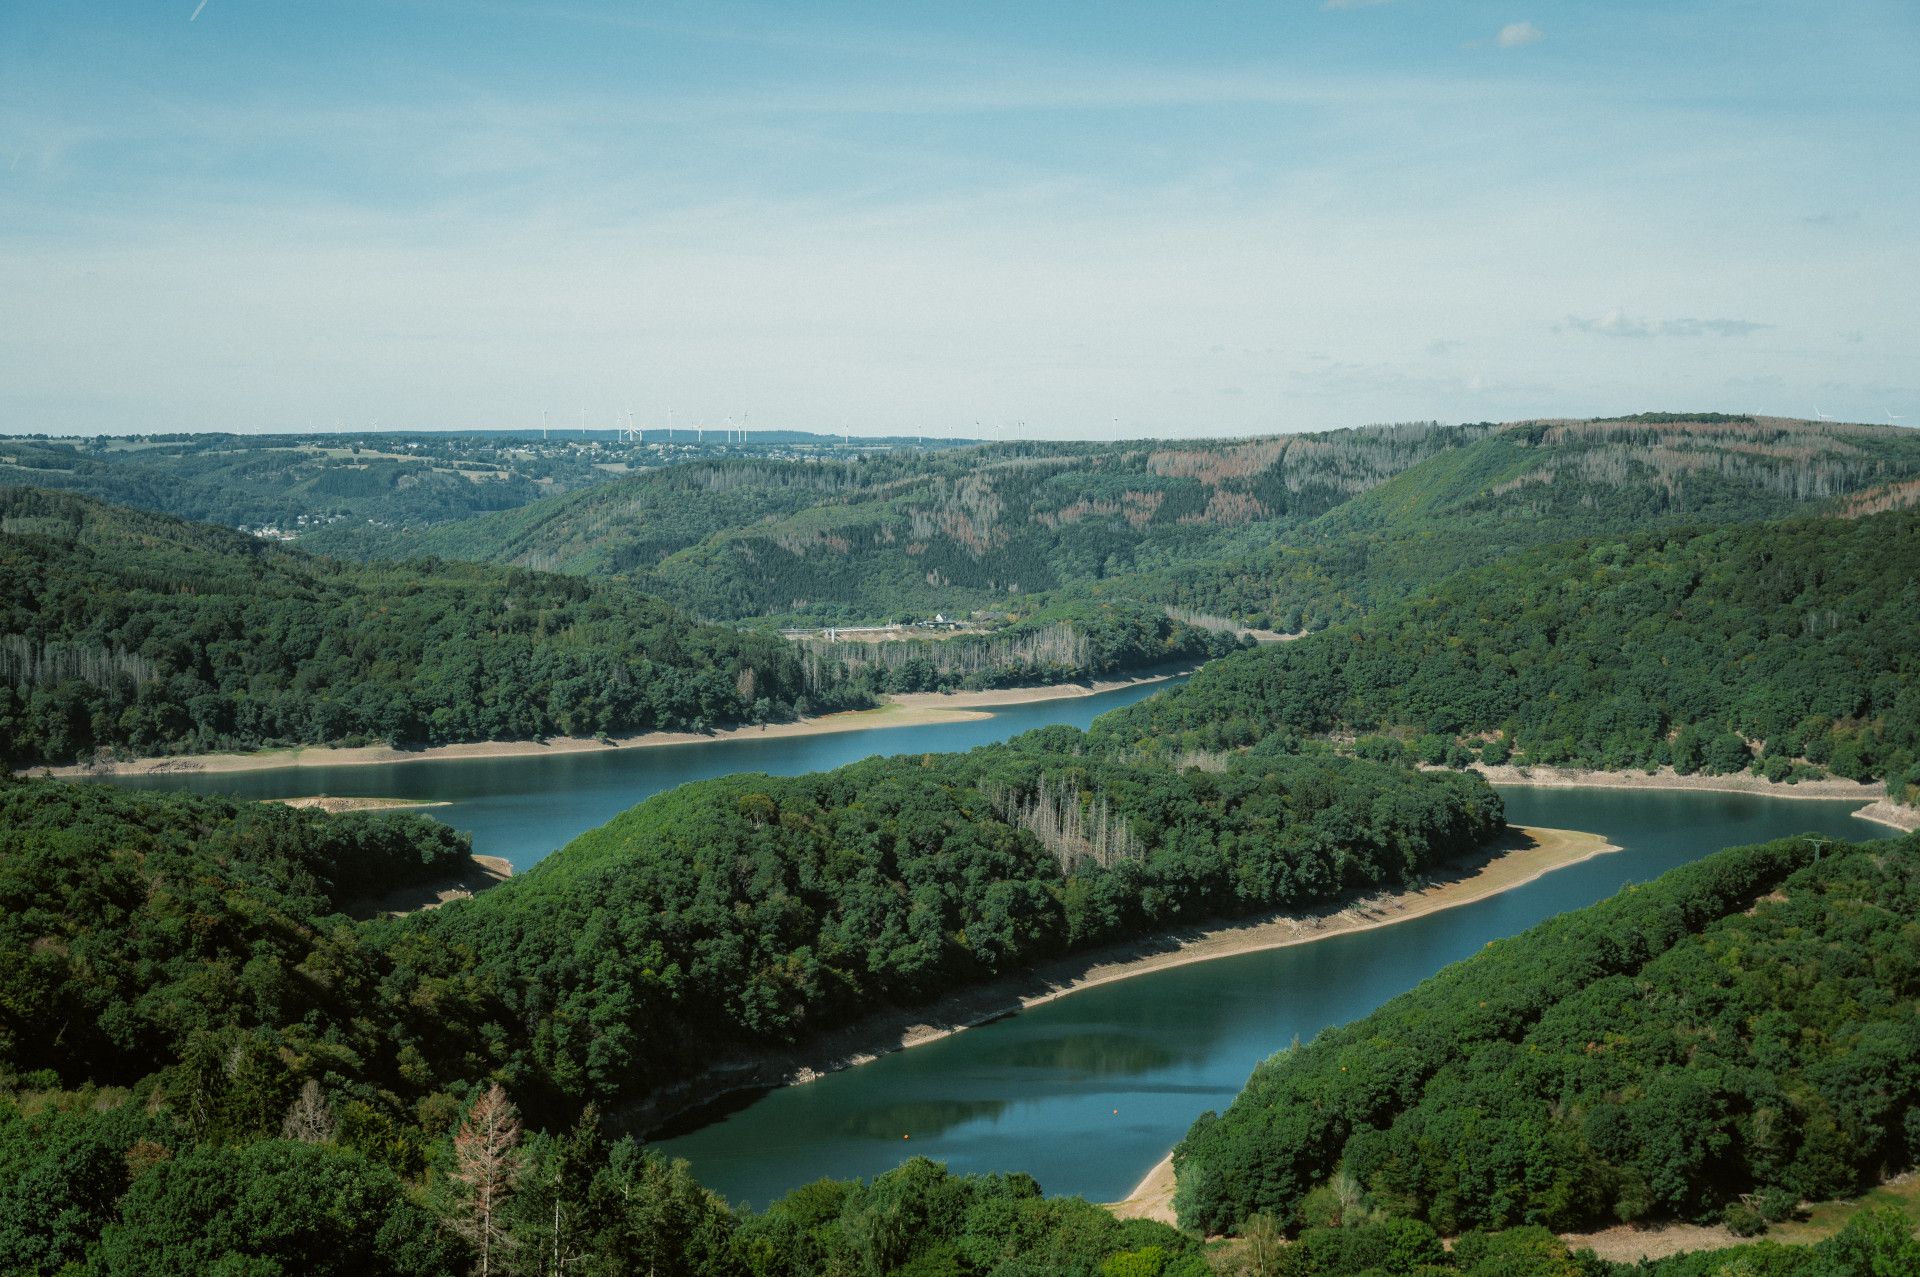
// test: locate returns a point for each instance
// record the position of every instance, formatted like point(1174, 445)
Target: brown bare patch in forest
point(1888, 496)
point(1214, 466)
point(1137, 508)
point(1228, 510)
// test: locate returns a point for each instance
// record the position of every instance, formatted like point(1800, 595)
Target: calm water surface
point(523, 808)
point(1088, 1092)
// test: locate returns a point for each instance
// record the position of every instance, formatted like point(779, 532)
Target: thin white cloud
point(1617, 323)
point(1515, 34)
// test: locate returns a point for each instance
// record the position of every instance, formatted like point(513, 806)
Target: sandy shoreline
point(1667, 778)
point(1892, 815)
point(335, 805)
point(909, 709)
point(1522, 856)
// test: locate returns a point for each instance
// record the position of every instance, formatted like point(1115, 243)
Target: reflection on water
point(1086, 1093)
point(918, 1118)
point(1089, 1054)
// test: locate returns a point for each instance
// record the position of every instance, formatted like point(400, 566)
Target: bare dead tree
point(310, 1118)
point(486, 1162)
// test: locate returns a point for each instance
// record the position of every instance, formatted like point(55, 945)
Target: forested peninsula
point(1726, 1041)
point(752, 910)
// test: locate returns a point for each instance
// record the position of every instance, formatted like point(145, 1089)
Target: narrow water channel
point(523, 808)
point(1088, 1092)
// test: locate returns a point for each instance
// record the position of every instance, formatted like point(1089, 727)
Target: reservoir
point(1088, 1092)
point(523, 808)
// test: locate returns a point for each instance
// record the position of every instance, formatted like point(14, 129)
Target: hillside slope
point(1288, 533)
point(1750, 1022)
point(136, 631)
point(1699, 649)
point(1527, 485)
point(922, 533)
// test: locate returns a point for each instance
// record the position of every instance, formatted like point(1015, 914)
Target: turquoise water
point(523, 808)
point(1088, 1092)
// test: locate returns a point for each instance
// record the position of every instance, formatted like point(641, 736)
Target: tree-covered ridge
point(926, 532)
point(1748, 1024)
point(134, 631)
point(1700, 649)
point(298, 484)
point(197, 944)
point(1066, 641)
point(1523, 486)
point(753, 910)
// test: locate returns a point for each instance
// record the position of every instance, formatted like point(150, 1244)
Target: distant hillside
point(1535, 483)
point(1287, 533)
point(1778, 646)
point(359, 486)
point(136, 631)
point(296, 484)
point(924, 533)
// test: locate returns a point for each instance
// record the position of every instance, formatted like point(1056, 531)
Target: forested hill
point(751, 911)
point(1739, 1035)
point(134, 631)
point(919, 533)
point(1286, 533)
point(1535, 483)
point(296, 484)
point(1786, 647)
point(205, 1068)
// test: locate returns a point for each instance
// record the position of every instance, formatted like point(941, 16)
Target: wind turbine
point(1820, 415)
point(1895, 418)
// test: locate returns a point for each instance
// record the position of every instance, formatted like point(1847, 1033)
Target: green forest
point(135, 632)
point(1785, 648)
point(756, 909)
point(1725, 1042)
point(1067, 641)
point(205, 1067)
point(1288, 533)
point(201, 1055)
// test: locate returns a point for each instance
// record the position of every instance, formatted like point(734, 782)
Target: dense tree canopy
point(1748, 1024)
point(755, 909)
point(139, 632)
point(1702, 649)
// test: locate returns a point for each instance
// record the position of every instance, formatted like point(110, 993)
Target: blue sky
point(1059, 220)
